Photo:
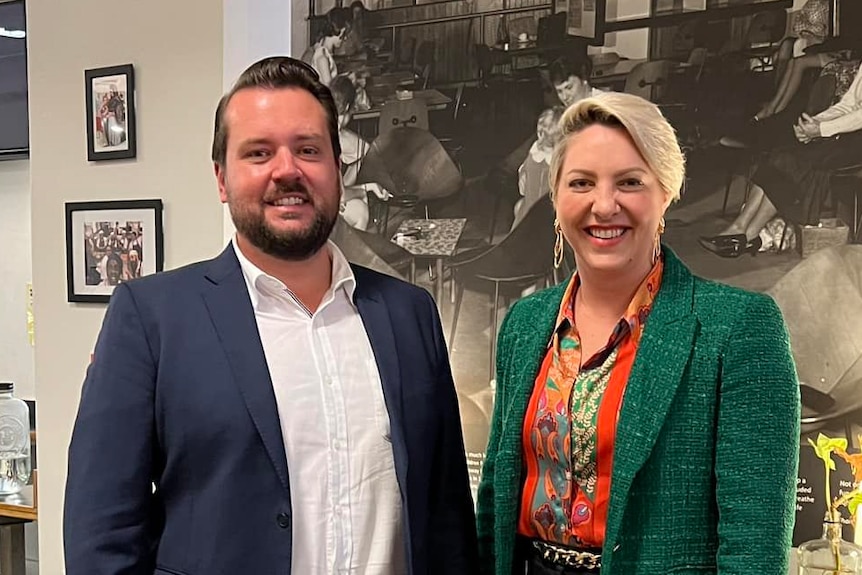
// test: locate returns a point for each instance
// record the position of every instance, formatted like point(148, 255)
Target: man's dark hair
point(563, 67)
point(275, 73)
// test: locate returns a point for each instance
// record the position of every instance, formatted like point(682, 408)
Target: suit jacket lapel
point(227, 300)
point(379, 327)
point(662, 356)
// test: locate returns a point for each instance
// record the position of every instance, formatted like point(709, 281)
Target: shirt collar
point(261, 284)
point(636, 313)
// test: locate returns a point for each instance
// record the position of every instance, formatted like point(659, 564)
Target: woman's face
point(609, 202)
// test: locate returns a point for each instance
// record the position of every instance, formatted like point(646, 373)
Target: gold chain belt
point(568, 557)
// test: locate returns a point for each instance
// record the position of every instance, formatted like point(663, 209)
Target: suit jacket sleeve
point(109, 524)
point(757, 449)
point(453, 521)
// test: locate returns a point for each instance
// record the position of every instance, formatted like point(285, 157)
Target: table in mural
point(434, 239)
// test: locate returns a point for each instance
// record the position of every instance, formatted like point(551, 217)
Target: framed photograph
point(108, 243)
point(110, 98)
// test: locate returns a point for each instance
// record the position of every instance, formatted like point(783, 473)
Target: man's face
point(280, 178)
point(570, 90)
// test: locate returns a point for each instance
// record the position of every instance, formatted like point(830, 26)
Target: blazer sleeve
point(452, 528)
point(109, 523)
point(485, 498)
point(757, 446)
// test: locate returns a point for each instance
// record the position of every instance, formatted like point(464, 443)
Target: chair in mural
point(371, 250)
point(413, 166)
point(412, 113)
point(764, 35)
point(815, 298)
point(649, 80)
point(522, 258)
point(820, 96)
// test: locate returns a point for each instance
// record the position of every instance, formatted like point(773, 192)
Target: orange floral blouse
point(570, 425)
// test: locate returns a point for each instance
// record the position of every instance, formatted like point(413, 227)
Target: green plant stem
point(832, 514)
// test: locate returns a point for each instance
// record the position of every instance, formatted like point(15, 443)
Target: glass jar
point(830, 555)
point(14, 441)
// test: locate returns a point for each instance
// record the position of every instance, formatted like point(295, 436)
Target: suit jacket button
point(283, 520)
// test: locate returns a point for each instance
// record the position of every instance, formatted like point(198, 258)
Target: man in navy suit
point(274, 410)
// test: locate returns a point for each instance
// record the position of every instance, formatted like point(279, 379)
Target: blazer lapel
point(227, 300)
point(379, 327)
point(662, 356)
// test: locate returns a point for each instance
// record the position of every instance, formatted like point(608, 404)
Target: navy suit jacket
point(177, 463)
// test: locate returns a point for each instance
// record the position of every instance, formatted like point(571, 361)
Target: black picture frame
point(110, 103)
point(100, 236)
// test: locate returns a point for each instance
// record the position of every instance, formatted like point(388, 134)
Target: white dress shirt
point(846, 115)
point(345, 500)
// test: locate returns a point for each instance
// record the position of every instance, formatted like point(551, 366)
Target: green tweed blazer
point(707, 444)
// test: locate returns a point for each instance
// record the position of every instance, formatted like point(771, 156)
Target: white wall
point(299, 26)
point(176, 48)
point(16, 353)
point(253, 30)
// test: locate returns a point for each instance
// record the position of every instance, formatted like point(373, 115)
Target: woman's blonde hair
point(650, 131)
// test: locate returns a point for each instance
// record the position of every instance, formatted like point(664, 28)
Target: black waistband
point(558, 558)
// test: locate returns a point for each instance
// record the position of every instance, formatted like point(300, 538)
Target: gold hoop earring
point(558, 245)
point(656, 250)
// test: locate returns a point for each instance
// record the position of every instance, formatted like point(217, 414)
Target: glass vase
point(830, 555)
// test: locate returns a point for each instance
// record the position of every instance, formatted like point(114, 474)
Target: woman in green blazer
point(646, 421)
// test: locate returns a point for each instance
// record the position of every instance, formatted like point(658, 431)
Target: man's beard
point(287, 245)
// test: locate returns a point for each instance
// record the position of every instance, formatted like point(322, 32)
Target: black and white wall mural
point(448, 112)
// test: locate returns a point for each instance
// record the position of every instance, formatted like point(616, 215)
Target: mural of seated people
point(359, 39)
point(570, 77)
point(533, 182)
point(354, 197)
point(329, 36)
point(793, 180)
